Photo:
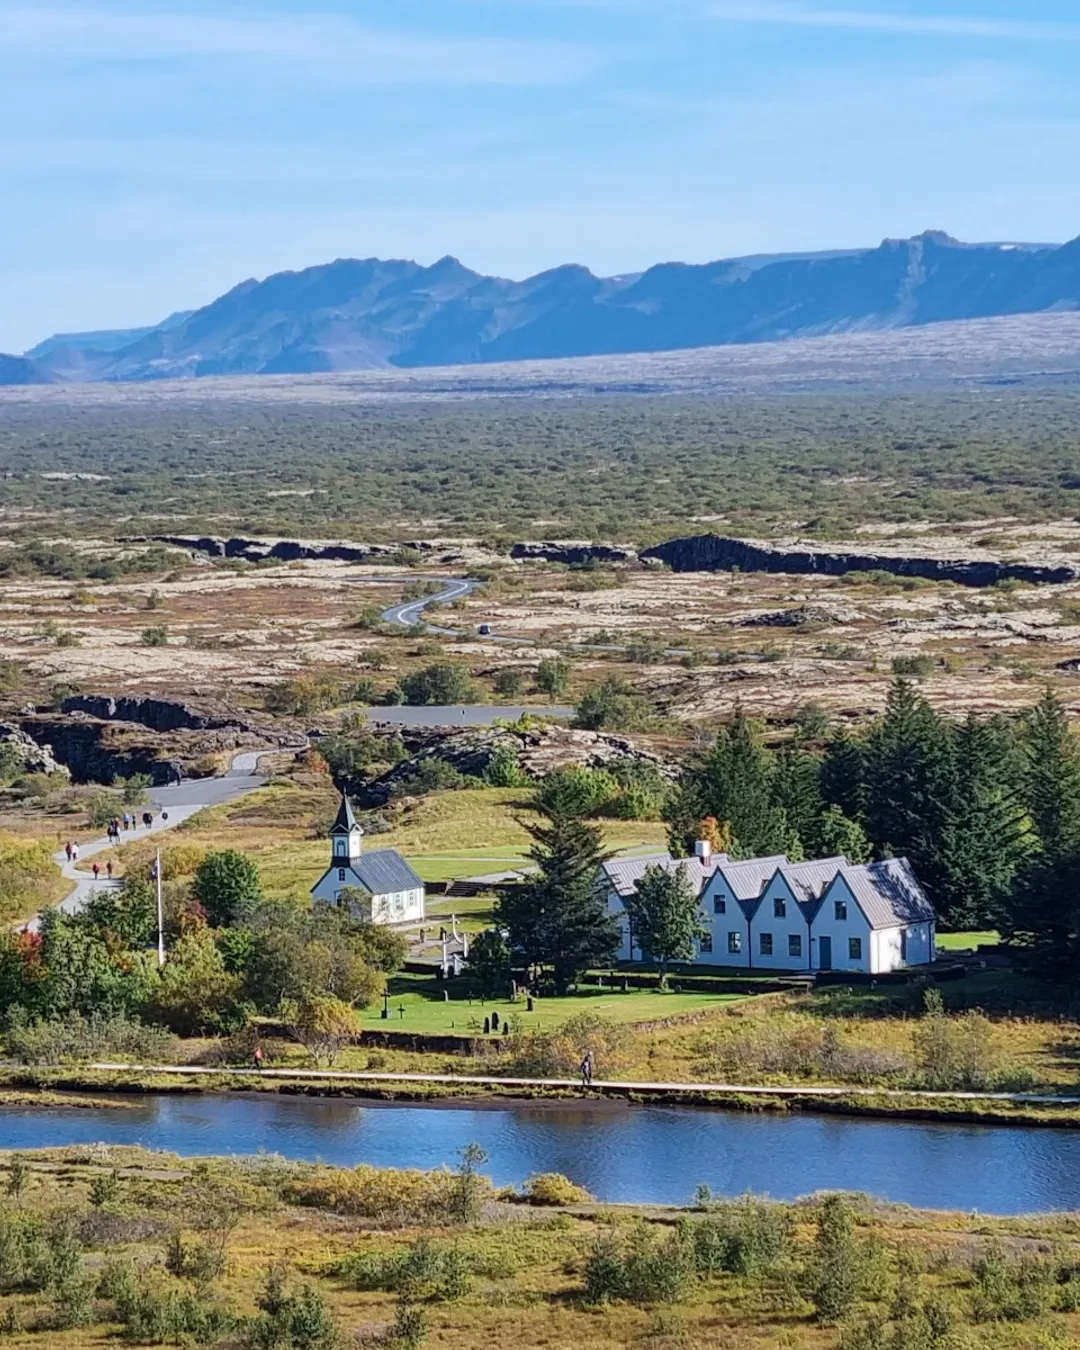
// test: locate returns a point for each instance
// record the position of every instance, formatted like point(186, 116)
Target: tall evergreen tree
point(797, 792)
point(559, 917)
point(983, 836)
point(1051, 789)
point(908, 777)
point(843, 775)
point(735, 781)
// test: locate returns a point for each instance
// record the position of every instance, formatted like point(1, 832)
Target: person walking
point(108, 869)
point(96, 869)
point(259, 1057)
point(587, 1069)
point(75, 852)
point(67, 850)
point(126, 819)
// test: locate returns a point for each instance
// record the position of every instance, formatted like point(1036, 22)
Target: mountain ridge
point(371, 314)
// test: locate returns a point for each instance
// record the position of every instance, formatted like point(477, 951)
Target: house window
point(854, 949)
point(903, 944)
point(706, 944)
point(840, 910)
point(765, 944)
point(734, 944)
point(794, 944)
point(341, 874)
point(779, 908)
point(719, 906)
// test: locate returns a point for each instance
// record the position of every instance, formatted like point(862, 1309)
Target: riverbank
point(961, 1108)
point(163, 1249)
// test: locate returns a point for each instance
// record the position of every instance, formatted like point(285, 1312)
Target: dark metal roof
point(346, 821)
point(384, 872)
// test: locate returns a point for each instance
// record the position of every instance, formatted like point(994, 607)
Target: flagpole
point(160, 913)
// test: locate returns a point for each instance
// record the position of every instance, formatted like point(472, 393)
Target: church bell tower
point(346, 835)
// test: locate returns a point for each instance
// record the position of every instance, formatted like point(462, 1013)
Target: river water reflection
point(632, 1154)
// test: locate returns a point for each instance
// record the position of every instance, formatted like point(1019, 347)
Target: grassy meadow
point(104, 1246)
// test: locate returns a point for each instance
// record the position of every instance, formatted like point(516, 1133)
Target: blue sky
point(155, 152)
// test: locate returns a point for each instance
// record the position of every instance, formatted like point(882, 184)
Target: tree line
point(986, 809)
point(233, 954)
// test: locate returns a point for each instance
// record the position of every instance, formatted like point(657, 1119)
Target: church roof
point(346, 820)
point(384, 872)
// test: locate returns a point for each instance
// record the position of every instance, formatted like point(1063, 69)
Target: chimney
point(703, 850)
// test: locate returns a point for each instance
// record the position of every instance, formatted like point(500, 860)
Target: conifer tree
point(909, 778)
point(1052, 777)
point(559, 917)
point(983, 837)
point(843, 775)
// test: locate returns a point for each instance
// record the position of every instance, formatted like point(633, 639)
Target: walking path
point(170, 807)
point(597, 1085)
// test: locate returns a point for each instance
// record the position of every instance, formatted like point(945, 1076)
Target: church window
point(341, 874)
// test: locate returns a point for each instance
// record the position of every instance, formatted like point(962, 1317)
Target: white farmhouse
point(772, 914)
point(392, 892)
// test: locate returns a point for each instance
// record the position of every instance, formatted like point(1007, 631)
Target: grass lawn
point(954, 942)
point(282, 828)
point(427, 1012)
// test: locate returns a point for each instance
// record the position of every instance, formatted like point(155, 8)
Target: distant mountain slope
point(372, 314)
point(105, 340)
point(18, 370)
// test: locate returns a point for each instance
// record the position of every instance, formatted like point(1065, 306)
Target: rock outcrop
point(159, 714)
point(539, 751)
point(803, 617)
point(35, 758)
point(718, 553)
point(573, 554)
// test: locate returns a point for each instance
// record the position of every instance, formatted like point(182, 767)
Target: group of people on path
point(128, 821)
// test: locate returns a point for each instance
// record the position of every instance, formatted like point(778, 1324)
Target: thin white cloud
point(323, 41)
point(894, 22)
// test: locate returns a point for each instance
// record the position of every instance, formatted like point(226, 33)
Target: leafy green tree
point(835, 835)
point(490, 961)
point(553, 676)
point(128, 915)
point(613, 705)
point(508, 682)
point(81, 973)
point(665, 917)
point(841, 1266)
point(194, 994)
point(323, 1026)
point(439, 685)
point(575, 791)
point(228, 886)
point(558, 917)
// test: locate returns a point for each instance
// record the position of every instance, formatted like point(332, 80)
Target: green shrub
point(552, 1188)
point(74, 1039)
point(747, 1237)
point(1007, 1292)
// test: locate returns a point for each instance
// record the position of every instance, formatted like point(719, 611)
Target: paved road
point(171, 806)
point(601, 1085)
point(412, 613)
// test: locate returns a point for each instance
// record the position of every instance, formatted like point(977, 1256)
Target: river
point(622, 1154)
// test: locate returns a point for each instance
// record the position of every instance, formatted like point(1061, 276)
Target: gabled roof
point(345, 822)
point(624, 873)
point(889, 893)
point(383, 872)
point(748, 879)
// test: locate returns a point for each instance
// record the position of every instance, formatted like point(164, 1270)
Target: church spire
point(346, 832)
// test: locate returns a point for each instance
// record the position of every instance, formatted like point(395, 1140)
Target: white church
point(392, 892)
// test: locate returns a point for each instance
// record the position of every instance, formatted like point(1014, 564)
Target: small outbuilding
point(379, 886)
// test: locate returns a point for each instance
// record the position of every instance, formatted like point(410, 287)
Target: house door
point(825, 953)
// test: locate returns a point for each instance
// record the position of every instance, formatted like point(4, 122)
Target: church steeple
point(346, 834)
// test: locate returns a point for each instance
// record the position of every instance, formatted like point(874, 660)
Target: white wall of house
point(898, 948)
point(846, 930)
point(396, 907)
point(722, 916)
point(780, 938)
